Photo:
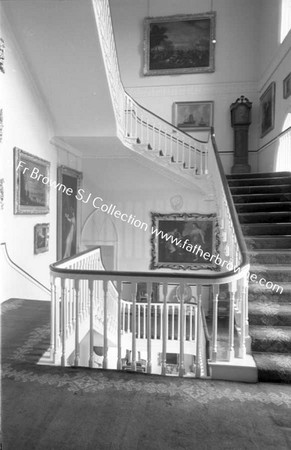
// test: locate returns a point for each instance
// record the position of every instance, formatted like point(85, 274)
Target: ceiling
point(59, 42)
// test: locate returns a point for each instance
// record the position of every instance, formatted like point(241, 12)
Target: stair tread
point(259, 175)
point(265, 332)
point(269, 360)
point(269, 308)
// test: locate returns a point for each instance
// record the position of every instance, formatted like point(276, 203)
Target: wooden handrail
point(22, 271)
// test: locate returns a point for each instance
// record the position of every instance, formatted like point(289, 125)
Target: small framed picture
point(267, 110)
point(193, 116)
point(31, 183)
point(179, 44)
point(287, 86)
point(41, 238)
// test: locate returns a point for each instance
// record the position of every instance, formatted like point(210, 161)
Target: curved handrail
point(22, 271)
point(220, 278)
point(234, 216)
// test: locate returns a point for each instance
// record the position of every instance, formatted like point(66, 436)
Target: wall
point(236, 65)
point(275, 63)
point(28, 126)
point(135, 189)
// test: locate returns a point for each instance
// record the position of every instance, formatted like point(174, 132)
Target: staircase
point(263, 204)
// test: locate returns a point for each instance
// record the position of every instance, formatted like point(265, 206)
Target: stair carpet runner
point(263, 204)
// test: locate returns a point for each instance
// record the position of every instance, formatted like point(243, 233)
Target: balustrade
point(90, 300)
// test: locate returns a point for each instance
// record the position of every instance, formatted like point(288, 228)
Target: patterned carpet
point(79, 408)
point(263, 202)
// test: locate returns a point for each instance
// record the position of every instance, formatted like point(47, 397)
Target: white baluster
point(165, 329)
point(63, 320)
point(144, 321)
point(198, 328)
point(161, 321)
point(128, 317)
point(181, 358)
point(105, 338)
point(91, 297)
point(243, 293)
point(119, 362)
point(133, 287)
point(77, 319)
point(149, 318)
point(54, 332)
point(214, 322)
point(232, 287)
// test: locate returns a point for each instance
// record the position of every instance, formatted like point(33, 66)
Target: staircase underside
point(263, 203)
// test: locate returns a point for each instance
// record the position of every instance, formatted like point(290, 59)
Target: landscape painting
point(179, 44)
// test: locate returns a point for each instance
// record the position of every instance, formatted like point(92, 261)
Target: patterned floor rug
point(78, 408)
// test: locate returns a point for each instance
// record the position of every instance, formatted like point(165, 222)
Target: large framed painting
point(193, 116)
point(31, 183)
point(267, 110)
point(179, 44)
point(68, 218)
point(184, 241)
point(41, 238)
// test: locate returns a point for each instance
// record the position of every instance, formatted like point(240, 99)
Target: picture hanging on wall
point(184, 241)
point(31, 188)
point(179, 44)
point(41, 238)
point(267, 110)
point(193, 116)
point(68, 218)
point(287, 86)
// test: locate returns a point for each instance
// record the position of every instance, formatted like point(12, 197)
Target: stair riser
point(273, 242)
point(263, 229)
point(265, 218)
point(261, 190)
point(257, 198)
point(262, 207)
point(243, 176)
point(269, 295)
point(259, 182)
point(275, 376)
point(270, 258)
point(270, 320)
point(269, 345)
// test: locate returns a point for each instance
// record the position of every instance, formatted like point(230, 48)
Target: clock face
point(241, 114)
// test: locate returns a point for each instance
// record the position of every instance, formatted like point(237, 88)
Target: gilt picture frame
point(194, 239)
point(68, 217)
point(41, 238)
point(31, 188)
point(267, 109)
point(193, 116)
point(179, 44)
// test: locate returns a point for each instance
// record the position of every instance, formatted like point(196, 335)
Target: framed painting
point(179, 44)
point(41, 238)
point(68, 218)
point(267, 110)
point(31, 183)
point(287, 86)
point(193, 116)
point(184, 241)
